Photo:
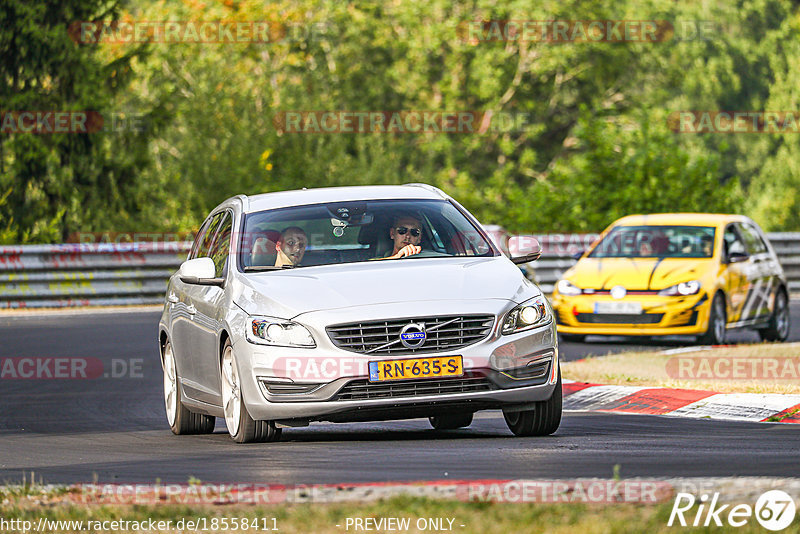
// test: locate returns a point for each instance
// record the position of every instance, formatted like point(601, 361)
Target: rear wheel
point(543, 420)
point(180, 419)
point(778, 329)
point(715, 332)
point(241, 427)
point(451, 421)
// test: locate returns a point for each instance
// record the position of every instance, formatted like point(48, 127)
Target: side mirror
point(531, 251)
point(578, 254)
point(200, 271)
point(738, 257)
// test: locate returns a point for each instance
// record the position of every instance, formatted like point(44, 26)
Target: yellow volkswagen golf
point(675, 274)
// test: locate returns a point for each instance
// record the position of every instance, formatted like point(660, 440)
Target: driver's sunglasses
point(402, 231)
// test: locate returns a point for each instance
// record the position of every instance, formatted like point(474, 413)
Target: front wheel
point(241, 427)
point(180, 419)
point(778, 329)
point(715, 333)
point(543, 420)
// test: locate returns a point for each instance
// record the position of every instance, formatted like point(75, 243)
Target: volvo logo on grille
point(413, 335)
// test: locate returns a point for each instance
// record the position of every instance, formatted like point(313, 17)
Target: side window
point(221, 247)
point(198, 239)
point(208, 237)
point(752, 240)
point(733, 243)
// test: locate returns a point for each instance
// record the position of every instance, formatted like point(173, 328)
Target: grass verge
point(757, 368)
point(333, 518)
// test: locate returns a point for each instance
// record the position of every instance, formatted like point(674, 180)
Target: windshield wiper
point(257, 268)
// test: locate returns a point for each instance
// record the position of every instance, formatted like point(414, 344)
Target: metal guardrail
point(36, 276)
point(55, 276)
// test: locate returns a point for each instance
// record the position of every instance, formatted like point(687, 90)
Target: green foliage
point(594, 143)
point(58, 183)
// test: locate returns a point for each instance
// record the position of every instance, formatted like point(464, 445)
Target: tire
point(543, 420)
point(573, 338)
point(779, 322)
point(451, 421)
point(181, 420)
point(717, 319)
point(241, 427)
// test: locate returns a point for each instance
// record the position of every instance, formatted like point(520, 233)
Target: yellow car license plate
point(415, 368)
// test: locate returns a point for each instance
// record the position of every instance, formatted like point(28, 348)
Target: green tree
point(58, 183)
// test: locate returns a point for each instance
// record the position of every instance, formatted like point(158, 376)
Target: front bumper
point(660, 315)
point(501, 371)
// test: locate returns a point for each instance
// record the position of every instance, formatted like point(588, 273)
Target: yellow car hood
point(636, 273)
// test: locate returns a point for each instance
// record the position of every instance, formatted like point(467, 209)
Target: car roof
point(688, 219)
point(301, 197)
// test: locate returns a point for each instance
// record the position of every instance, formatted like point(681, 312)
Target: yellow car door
point(736, 283)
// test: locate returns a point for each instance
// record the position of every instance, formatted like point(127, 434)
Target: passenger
point(406, 234)
point(707, 245)
point(291, 247)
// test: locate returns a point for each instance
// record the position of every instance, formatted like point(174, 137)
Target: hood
point(289, 293)
point(636, 273)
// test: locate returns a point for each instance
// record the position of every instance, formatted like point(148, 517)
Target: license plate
point(415, 368)
point(626, 308)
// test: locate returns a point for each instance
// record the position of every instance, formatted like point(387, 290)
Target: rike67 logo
point(774, 510)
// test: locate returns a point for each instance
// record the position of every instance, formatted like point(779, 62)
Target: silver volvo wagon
point(354, 304)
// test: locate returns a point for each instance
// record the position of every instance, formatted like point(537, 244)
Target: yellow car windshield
point(656, 242)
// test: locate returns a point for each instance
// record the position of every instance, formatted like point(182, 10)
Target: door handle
point(191, 309)
point(172, 298)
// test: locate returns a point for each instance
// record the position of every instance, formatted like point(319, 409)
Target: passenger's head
point(405, 230)
point(707, 245)
point(291, 246)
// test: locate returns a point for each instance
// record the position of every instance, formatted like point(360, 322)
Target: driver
point(406, 234)
point(291, 247)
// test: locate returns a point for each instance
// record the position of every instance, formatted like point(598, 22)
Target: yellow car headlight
point(683, 289)
point(565, 287)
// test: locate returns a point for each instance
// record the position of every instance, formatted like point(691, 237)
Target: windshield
point(656, 242)
point(347, 232)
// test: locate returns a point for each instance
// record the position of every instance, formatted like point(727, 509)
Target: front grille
point(627, 291)
point(383, 337)
point(620, 318)
point(364, 389)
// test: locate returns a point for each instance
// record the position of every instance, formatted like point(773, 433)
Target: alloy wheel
point(231, 392)
point(170, 385)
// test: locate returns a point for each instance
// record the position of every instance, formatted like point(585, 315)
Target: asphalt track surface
point(112, 429)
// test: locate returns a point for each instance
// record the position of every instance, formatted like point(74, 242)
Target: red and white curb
point(766, 407)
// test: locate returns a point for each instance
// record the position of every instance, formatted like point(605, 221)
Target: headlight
point(683, 289)
point(565, 287)
point(529, 314)
point(278, 332)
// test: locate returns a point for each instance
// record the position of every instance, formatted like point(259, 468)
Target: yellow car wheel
point(717, 318)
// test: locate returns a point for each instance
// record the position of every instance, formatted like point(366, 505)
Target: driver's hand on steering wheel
point(408, 250)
